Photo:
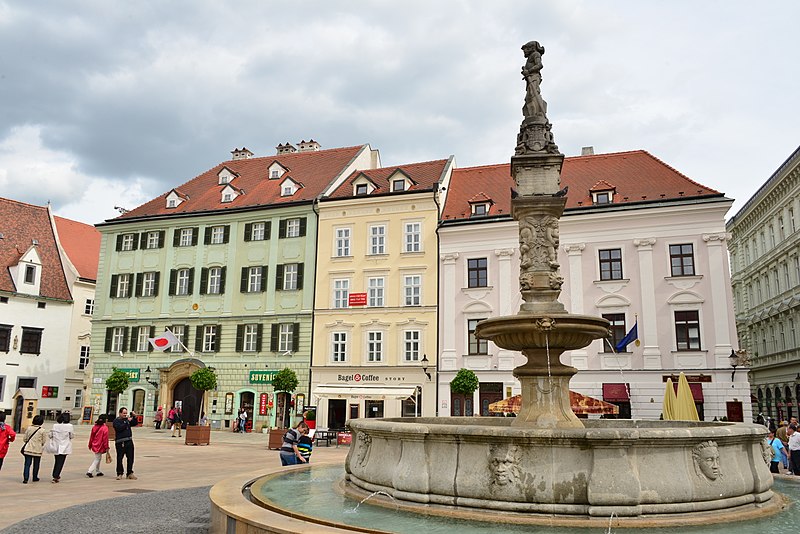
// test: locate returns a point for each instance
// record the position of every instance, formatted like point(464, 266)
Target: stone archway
point(175, 386)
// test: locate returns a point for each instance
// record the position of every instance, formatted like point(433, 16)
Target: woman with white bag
point(60, 444)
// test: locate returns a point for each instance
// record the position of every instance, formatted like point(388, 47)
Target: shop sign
point(133, 374)
point(357, 299)
point(262, 377)
point(228, 403)
point(358, 377)
point(49, 392)
point(262, 404)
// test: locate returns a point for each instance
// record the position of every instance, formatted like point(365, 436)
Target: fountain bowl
point(526, 331)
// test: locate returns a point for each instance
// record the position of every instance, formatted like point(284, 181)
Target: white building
point(638, 239)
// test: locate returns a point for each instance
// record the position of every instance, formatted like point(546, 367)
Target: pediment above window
point(175, 199)
point(400, 181)
point(225, 176)
point(229, 194)
point(289, 187)
point(362, 185)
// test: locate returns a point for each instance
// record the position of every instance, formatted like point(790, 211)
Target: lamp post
point(147, 373)
point(425, 363)
point(734, 359)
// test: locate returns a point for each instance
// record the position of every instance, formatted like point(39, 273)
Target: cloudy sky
point(107, 104)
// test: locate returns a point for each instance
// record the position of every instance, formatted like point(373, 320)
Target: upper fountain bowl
point(533, 331)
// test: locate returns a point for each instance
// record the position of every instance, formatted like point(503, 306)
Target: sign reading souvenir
point(49, 392)
point(133, 374)
point(357, 299)
point(262, 377)
point(262, 404)
point(228, 403)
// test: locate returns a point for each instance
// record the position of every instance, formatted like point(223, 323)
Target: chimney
point(308, 146)
point(587, 151)
point(285, 149)
point(241, 153)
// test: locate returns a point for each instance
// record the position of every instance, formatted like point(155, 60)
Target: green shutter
point(152, 334)
point(155, 284)
point(138, 292)
point(243, 287)
point(114, 281)
point(295, 337)
point(203, 280)
point(134, 336)
point(124, 338)
point(161, 235)
point(279, 277)
point(176, 237)
point(226, 234)
point(191, 281)
point(207, 238)
point(259, 334)
point(142, 239)
point(198, 340)
point(173, 281)
point(300, 269)
point(195, 233)
point(222, 279)
point(218, 338)
point(248, 231)
point(264, 269)
point(135, 241)
point(119, 243)
point(109, 338)
point(282, 229)
point(273, 338)
point(239, 337)
point(267, 229)
point(302, 227)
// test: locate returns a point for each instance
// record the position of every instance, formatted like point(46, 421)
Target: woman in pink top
point(98, 444)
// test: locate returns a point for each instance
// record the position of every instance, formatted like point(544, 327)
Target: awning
point(696, 389)
point(616, 393)
point(376, 391)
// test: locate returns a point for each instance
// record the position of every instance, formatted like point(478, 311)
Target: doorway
point(489, 392)
point(190, 399)
point(336, 413)
point(460, 405)
point(246, 401)
point(138, 403)
point(20, 405)
point(735, 412)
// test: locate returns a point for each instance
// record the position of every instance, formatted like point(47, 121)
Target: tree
point(284, 383)
point(203, 379)
point(116, 383)
point(465, 382)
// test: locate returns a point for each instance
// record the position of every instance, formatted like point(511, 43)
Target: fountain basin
point(524, 331)
point(628, 468)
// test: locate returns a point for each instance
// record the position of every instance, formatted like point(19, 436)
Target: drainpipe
point(314, 207)
point(438, 283)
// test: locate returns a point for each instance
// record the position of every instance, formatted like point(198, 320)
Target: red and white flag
point(164, 341)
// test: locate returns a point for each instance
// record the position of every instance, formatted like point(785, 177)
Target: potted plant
point(284, 383)
point(465, 383)
point(310, 417)
point(203, 379)
point(116, 383)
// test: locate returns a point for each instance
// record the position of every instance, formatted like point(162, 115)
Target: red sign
point(357, 299)
point(49, 392)
point(262, 404)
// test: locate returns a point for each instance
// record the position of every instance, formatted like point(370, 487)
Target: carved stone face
point(706, 458)
point(504, 466)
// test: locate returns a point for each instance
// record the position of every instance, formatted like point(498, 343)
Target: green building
point(226, 262)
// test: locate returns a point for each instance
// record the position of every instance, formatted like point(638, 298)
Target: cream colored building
point(375, 312)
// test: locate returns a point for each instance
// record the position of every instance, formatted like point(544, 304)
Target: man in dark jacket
point(123, 441)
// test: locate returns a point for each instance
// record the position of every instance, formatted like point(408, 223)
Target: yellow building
point(375, 304)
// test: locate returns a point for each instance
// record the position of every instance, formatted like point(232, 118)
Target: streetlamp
point(734, 359)
point(425, 362)
point(147, 373)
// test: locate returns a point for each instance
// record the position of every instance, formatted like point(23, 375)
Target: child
point(304, 446)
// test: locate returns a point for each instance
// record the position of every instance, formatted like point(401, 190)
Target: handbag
point(51, 447)
point(22, 450)
point(109, 459)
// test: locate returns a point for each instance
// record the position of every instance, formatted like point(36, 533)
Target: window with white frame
point(30, 274)
point(377, 239)
point(182, 282)
point(687, 330)
point(149, 284)
point(127, 241)
point(214, 280)
point(123, 285)
point(153, 240)
point(141, 339)
point(179, 331)
point(681, 258)
point(118, 339)
point(171, 203)
point(412, 237)
point(209, 338)
point(288, 188)
point(375, 289)
point(293, 228)
point(411, 345)
point(250, 337)
point(83, 361)
point(187, 237)
point(342, 242)
point(217, 235)
point(398, 185)
point(339, 346)
point(290, 276)
point(285, 337)
point(361, 189)
point(227, 197)
point(413, 290)
point(78, 399)
point(375, 346)
point(341, 291)
point(88, 308)
point(258, 231)
point(476, 345)
point(254, 278)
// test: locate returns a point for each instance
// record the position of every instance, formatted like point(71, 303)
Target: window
point(30, 274)
point(153, 240)
point(171, 203)
point(183, 282)
point(617, 330)
point(339, 349)
point(209, 338)
point(786, 279)
point(377, 239)
point(274, 173)
point(217, 235)
point(610, 264)
point(412, 237)
point(257, 231)
point(142, 333)
point(796, 261)
point(31, 340)
point(412, 407)
point(286, 337)
point(687, 330)
point(771, 236)
point(398, 185)
point(149, 287)
point(602, 198)
point(413, 287)
point(118, 335)
point(123, 286)
point(341, 291)
point(88, 308)
point(477, 272)
point(292, 227)
point(781, 229)
point(375, 346)
point(476, 346)
point(375, 291)
point(411, 345)
point(186, 237)
point(480, 209)
point(227, 197)
point(250, 337)
point(342, 242)
point(254, 279)
point(179, 331)
point(5, 337)
point(214, 281)
point(287, 189)
point(681, 258)
point(361, 189)
point(78, 399)
point(128, 241)
point(290, 276)
point(791, 220)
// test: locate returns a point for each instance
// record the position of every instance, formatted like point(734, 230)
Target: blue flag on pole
point(628, 339)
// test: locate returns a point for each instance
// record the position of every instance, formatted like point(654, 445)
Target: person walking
point(33, 448)
point(778, 452)
point(290, 454)
point(123, 441)
point(177, 419)
point(159, 417)
point(62, 435)
point(794, 449)
point(7, 435)
point(98, 444)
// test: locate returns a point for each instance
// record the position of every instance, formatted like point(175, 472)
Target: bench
point(325, 435)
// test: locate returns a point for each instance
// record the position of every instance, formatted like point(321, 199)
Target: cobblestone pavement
point(171, 494)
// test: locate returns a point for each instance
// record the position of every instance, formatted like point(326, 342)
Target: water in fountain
point(368, 497)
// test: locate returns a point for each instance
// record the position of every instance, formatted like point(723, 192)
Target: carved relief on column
point(504, 253)
point(716, 239)
point(574, 249)
point(645, 243)
point(449, 258)
point(538, 248)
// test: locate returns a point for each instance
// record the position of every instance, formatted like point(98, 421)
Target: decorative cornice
point(574, 249)
point(644, 243)
point(716, 239)
point(449, 258)
point(504, 253)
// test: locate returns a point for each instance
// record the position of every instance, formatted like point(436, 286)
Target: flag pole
point(180, 341)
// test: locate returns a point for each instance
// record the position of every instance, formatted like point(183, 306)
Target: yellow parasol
point(685, 409)
point(670, 400)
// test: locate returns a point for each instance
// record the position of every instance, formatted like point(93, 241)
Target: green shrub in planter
point(464, 383)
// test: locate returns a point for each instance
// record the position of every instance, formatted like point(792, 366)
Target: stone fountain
point(546, 460)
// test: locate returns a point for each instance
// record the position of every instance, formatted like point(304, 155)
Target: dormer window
point(602, 193)
point(288, 188)
point(174, 199)
point(480, 209)
point(227, 197)
point(479, 205)
point(229, 194)
point(276, 170)
point(225, 176)
point(274, 173)
point(362, 189)
point(223, 180)
point(398, 185)
point(171, 203)
point(30, 274)
point(602, 197)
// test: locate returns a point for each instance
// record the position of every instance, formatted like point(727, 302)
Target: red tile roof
point(314, 170)
point(81, 242)
point(636, 176)
point(424, 176)
point(20, 224)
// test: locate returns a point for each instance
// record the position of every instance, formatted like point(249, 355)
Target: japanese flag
point(164, 341)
